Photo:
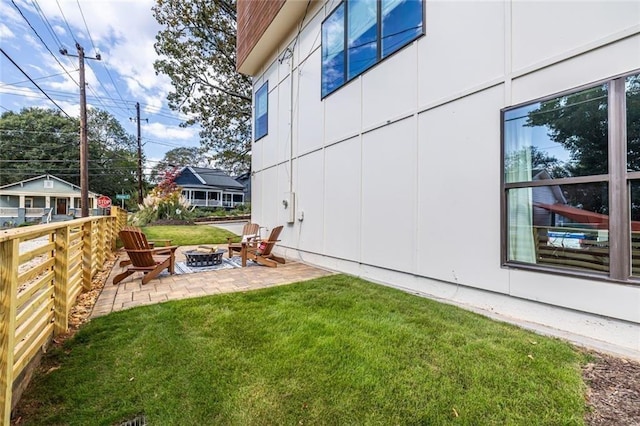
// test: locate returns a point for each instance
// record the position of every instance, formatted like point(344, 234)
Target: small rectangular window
point(261, 127)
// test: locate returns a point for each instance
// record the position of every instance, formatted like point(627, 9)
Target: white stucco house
point(399, 141)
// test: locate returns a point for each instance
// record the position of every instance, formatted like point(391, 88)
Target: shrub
point(164, 202)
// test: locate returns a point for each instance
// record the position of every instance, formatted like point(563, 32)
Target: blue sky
point(123, 32)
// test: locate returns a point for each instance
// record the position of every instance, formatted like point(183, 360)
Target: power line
point(41, 40)
point(34, 83)
point(46, 21)
point(17, 83)
point(95, 51)
point(64, 18)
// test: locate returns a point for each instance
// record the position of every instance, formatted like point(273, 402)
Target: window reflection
point(261, 111)
point(360, 33)
point(401, 23)
point(632, 88)
point(561, 225)
point(565, 136)
point(363, 36)
point(634, 209)
point(333, 51)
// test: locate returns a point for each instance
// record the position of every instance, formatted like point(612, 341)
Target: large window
point(371, 30)
point(571, 183)
point(261, 112)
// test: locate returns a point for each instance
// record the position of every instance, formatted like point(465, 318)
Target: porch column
point(21, 205)
point(47, 202)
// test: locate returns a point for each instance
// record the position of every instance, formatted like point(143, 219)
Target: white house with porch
point(205, 187)
point(40, 198)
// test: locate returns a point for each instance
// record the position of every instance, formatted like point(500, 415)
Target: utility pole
point(137, 120)
point(84, 144)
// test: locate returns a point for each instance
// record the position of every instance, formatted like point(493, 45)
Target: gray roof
point(216, 177)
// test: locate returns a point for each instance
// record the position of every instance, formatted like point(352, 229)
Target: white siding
point(342, 199)
point(398, 171)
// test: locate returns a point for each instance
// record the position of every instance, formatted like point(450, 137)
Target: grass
point(185, 235)
point(335, 350)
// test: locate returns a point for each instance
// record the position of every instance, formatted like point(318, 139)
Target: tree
point(177, 158)
point(579, 122)
point(39, 141)
point(198, 51)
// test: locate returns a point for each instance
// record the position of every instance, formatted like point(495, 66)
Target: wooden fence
point(43, 269)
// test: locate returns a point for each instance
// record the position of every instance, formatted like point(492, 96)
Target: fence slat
point(9, 253)
point(61, 280)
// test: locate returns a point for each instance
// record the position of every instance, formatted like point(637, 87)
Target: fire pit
point(198, 258)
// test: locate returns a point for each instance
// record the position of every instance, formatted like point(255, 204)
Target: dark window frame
point(618, 179)
point(380, 57)
point(262, 91)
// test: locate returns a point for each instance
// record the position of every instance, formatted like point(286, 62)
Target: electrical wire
point(18, 83)
point(85, 25)
point(34, 83)
point(64, 18)
point(45, 44)
point(48, 26)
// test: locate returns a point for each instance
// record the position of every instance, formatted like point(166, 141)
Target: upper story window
point(261, 112)
point(360, 33)
point(571, 181)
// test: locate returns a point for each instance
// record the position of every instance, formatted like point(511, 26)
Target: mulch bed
point(613, 390)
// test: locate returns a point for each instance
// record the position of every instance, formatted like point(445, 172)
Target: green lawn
point(335, 350)
point(189, 234)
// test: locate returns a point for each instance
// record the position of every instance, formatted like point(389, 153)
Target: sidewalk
point(130, 292)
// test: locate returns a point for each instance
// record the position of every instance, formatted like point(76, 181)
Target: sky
point(122, 32)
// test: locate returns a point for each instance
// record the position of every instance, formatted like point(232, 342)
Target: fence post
point(9, 252)
point(61, 282)
point(87, 257)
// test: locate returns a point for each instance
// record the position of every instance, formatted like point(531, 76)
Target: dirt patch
point(613, 390)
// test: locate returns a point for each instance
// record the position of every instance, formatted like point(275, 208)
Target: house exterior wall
point(398, 172)
point(254, 16)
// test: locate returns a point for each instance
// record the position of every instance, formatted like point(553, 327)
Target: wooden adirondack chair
point(249, 236)
point(143, 258)
point(144, 243)
point(262, 252)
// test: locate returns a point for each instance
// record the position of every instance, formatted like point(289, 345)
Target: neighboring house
point(205, 187)
point(382, 130)
point(545, 195)
point(40, 198)
point(245, 180)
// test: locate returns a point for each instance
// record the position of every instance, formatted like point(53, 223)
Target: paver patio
point(130, 292)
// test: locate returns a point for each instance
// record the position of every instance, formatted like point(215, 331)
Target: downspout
point(291, 126)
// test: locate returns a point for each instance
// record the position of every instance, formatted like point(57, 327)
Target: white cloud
point(5, 32)
point(170, 132)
